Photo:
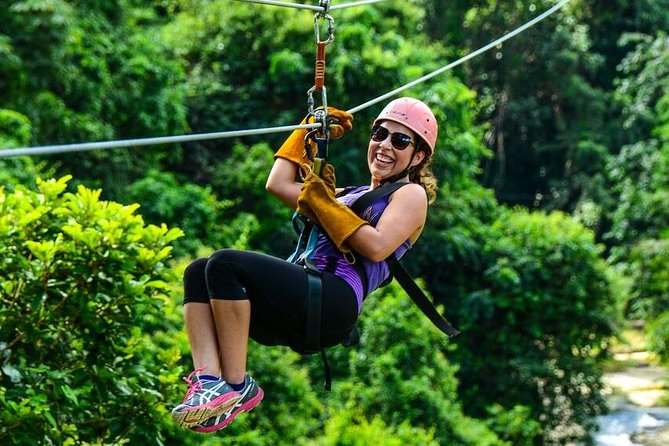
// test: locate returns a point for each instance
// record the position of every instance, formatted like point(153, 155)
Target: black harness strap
point(419, 298)
point(312, 336)
point(398, 271)
point(362, 203)
point(312, 341)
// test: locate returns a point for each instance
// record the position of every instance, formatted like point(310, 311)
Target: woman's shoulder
point(410, 191)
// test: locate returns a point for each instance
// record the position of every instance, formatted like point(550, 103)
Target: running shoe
point(251, 395)
point(204, 399)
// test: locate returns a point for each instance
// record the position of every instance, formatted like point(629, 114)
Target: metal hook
point(331, 28)
point(311, 102)
point(325, 4)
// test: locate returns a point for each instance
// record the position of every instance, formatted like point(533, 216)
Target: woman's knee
point(195, 269)
point(225, 274)
point(195, 283)
point(225, 256)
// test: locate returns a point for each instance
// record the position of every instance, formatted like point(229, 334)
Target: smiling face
point(385, 160)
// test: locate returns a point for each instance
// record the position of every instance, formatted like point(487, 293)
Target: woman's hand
point(316, 193)
point(291, 157)
point(317, 202)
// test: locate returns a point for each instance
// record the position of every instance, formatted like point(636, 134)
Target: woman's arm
point(281, 182)
point(402, 219)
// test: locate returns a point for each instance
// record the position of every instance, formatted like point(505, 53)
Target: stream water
point(634, 395)
point(618, 427)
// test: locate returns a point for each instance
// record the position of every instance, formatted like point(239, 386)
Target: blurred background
point(548, 245)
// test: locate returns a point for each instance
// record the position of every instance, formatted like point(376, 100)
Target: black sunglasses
point(400, 141)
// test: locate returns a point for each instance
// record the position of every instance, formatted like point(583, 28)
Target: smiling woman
point(234, 295)
point(409, 122)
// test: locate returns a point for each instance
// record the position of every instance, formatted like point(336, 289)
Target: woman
point(236, 294)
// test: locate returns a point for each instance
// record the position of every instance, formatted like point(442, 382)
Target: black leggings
point(277, 290)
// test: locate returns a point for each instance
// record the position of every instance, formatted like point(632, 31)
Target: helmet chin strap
point(400, 175)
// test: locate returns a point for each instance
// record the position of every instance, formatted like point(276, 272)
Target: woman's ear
point(418, 158)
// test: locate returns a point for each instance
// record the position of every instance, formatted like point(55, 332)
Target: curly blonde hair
point(422, 174)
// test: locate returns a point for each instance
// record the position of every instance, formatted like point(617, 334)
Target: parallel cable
point(461, 60)
point(358, 3)
point(286, 4)
point(64, 148)
point(46, 150)
point(310, 7)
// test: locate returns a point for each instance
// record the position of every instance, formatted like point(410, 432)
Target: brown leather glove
point(293, 148)
point(340, 122)
point(318, 203)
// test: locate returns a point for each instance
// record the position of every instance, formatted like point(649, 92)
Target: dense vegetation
point(550, 232)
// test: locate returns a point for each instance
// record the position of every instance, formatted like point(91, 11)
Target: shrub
point(650, 291)
point(400, 373)
point(14, 129)
point(83, 284)
point(350, 427)
point(192, 208)
point(539, 315)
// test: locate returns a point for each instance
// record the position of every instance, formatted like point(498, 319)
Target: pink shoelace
point(193, 386)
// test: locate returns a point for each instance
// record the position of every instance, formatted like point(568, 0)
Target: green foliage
point(400, 373)
point(659, 335)
point(240, 180)
point(514, 425)
point(649, 263)
point(609, 20)
point(639, 177)
point(194, 208)
point(528, 88)
point(87, 74)
point(83, 283)
point(645, 71)
point(639, 173)
point(539, 314)
point(14, 129)
point(350, 427)
point(567, 130)
point(639, 180)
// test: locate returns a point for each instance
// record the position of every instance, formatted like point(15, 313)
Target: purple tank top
point(328, 258)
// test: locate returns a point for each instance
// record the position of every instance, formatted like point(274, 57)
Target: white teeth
point(383, 158)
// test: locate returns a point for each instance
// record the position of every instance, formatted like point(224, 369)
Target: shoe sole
point(246, 407)
point(196, 415)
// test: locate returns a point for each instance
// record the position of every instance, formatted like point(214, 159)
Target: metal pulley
point(320, 136)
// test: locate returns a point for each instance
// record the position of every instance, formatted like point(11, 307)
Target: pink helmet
point(415, 115)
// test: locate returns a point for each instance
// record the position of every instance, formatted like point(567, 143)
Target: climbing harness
point(308, 234)
point(321, 137)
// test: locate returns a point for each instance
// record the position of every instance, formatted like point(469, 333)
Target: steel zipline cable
point(80, 147)
point(285, 4)
point(310, 7)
